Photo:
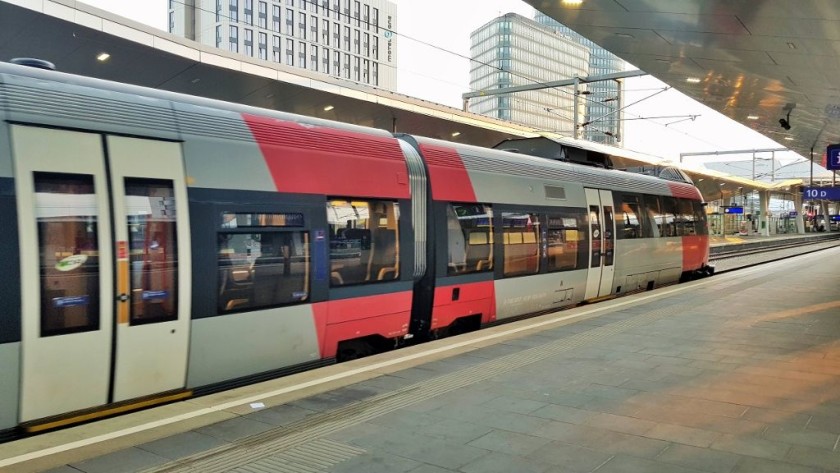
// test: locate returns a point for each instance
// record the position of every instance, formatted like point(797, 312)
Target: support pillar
point(764, 212)
point(800, 215)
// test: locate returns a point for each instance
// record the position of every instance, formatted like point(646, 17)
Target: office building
point(604, 100)
point(512, 50)
point(350, 39)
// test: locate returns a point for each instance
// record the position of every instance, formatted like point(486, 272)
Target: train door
point(599, 280)
point(90, 335)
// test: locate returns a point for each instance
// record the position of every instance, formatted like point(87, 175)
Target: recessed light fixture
point(571, 3)
point(789, 138)
point(195, 81)
point(692, 80)
point(328, 108)
point(791, 45)
point(752, 117)
point(102, 57)
point(625, 35)
point(455, 134)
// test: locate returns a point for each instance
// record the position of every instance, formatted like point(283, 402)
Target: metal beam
point(549, 85)
point(740, 151)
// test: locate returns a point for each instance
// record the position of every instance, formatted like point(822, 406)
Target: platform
point(736, 373)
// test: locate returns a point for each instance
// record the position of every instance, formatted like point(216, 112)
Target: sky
point(435, 67)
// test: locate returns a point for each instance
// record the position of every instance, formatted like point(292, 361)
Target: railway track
point(732, 257)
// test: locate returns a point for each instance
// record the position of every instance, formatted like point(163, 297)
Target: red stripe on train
point(472, 298)
point(449, 178)
point(685, 191)
point(387, 315)
point(695, 252)
point(319, 160)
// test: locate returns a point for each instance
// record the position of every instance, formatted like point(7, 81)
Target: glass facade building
point(512, 50)
point(603, 102)
point(350, 39)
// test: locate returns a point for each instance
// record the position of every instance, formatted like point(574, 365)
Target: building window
point(337, 63)
point(234, 39)
point(325, 33)
point(218, 36)
point(357, 68)
point(366, 44)
point(346, 65)
point(313, 29)
point(218, 11)
point(302, 55)
point(249, 42)
point(347, 38)
point(275, 18)
point(375, 73)
point(375, 47)
point(249, 12)
point(313, 58)
point(290, 52)
point(357, 39)
point(366, 71)
point(366, 18)
point(290, 22)
point(357, 13)
point(263, 46)
point(275, 53)
point(375, 20)
point(325, 61)
point(234, 11)
point(263, 15)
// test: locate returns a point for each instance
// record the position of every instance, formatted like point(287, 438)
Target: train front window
point(153, 250)
point(68, 241)
point(263, 261)
point(470, 238)
point(522, 237)
point(364, 241)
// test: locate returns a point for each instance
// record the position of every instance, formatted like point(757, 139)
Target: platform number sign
point(832, 161)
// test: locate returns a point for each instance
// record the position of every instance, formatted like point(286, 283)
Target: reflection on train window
point(566, 245)
point(66, 212)
point(262, 269)
point(628, 219)
point(521, 235)
point(656, 220)
point(153, 250)
point(700, 222)
point(686, 219)
point(470, 237)
point(364, 241)
point(673, 223)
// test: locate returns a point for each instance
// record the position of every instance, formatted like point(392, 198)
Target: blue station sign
point(821, 193)
point(733, 210)
point(832, 158)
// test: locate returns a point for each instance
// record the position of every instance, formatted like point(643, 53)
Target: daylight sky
point(435, 67)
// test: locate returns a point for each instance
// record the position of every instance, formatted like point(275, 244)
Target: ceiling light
point(625, 35)
point(789, 138)
point(195, 81)
point(752, 117)
point(571, 3)
point(103, 57)
point(328, 108)
point(791, 45)
point(693, 80)
point(455, 134)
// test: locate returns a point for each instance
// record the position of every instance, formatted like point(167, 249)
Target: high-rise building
point(351, 39)
point(512, 50)
point(603, 102)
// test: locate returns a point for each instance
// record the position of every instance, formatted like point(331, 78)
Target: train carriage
point(159, 246)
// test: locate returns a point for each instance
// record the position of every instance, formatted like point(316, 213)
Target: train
point(159, 246)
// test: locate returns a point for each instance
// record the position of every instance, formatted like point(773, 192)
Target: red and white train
point(159, 246)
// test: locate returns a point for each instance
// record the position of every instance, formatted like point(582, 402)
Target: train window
point(628, 219)
point(700, 222)
point(522, 237)
point(673, 223)
point(566, 245)
point(655, 219)
point(685, 225)
point(68, 241)
point(153, 250)
point(364, 241)
point(262, 269)
point(470, 238)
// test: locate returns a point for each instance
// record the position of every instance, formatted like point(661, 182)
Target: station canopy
point(71, 35)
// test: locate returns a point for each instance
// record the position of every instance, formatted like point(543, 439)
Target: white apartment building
point(350, 39)
point(512, 50)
